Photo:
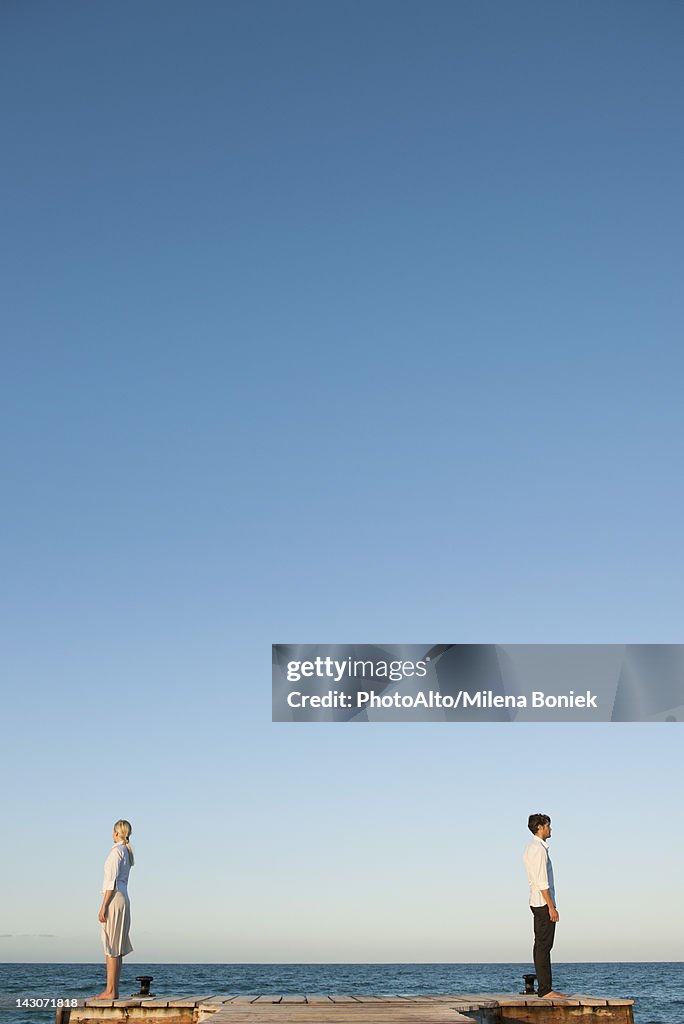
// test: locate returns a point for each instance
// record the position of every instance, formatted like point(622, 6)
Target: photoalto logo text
point(330, 668)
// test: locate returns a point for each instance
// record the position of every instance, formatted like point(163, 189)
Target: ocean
point(658, 988)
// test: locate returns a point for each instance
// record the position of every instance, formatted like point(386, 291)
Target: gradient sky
point(342, 322)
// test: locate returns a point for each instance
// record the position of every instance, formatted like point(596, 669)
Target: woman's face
point(115, 836)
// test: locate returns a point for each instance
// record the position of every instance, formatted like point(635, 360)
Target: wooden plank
point(383, 1012)
point(187, 1002)
point(361, 1014)
point(264, 1014)
point(420, 999)
point(555, 1002)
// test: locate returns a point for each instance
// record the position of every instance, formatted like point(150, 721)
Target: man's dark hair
point(535, 821)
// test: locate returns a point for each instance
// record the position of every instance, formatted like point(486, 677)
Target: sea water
point(657, 988)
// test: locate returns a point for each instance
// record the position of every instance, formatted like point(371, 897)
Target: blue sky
point(351, 322)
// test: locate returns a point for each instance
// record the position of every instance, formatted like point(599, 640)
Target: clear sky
point(335, 322)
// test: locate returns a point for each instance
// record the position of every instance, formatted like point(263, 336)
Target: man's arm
point(536, 861)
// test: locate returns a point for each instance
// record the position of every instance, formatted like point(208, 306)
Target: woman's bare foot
point(105, 995)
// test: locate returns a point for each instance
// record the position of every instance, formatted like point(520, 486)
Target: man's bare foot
point(555, 995)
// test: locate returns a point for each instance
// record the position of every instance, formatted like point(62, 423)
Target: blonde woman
point(115, 912)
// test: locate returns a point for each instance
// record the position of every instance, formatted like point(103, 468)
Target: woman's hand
point(106, 900)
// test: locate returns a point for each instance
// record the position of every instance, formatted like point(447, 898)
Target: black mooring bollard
point(529, 980)
point(145, 982)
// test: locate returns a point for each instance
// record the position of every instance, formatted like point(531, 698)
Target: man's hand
point(553, 914)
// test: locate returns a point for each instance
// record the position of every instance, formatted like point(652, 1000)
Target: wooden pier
point(459, 1008)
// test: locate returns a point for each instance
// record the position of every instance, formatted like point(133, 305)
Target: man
point(542, 901)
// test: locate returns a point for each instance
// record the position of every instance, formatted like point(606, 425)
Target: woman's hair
point(124, 828)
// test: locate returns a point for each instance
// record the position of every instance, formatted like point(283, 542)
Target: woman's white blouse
point(117, 869)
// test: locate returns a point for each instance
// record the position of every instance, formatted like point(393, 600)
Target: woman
point(115, 912)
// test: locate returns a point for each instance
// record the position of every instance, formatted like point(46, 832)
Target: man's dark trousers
point(544, 931)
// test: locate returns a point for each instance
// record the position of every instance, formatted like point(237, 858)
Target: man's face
point(545, 831)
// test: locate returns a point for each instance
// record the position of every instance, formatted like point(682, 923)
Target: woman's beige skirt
point(117, 925)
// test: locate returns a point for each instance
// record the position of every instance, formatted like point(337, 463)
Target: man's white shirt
point(539, 871)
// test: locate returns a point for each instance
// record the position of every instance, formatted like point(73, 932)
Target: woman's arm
point(111, 873)
point(107, 898)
